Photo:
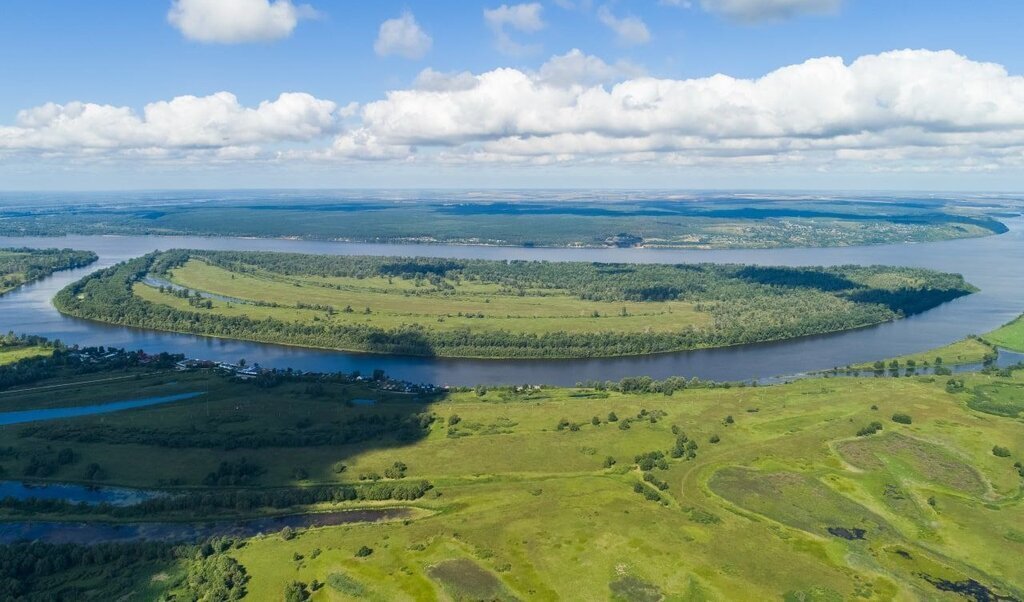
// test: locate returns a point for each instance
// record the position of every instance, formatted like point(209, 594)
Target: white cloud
point(577, 68)
point(183, 123)
point(525, 18)
point(914, 102)
point(756, 11)
point(403, 37)
point(236, 21)
point(628, 30)
point(437, 81)
point(910, 110)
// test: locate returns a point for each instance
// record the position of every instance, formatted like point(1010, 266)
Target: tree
point(296, 592)
point(363, 552)
point(481, 390)
point(612, 417)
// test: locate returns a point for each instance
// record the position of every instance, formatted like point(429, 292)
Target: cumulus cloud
point(577, 68)
point(908, 109)
point(756, 11)
point(402, 37)
point(629, 30)
point(524, 18)
point(935, 103)
point(181, 124)
point(236, 21)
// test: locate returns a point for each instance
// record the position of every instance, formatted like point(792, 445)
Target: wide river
point(995, 264)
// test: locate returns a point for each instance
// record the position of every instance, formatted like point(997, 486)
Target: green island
point(495, 309)
point(527, 219)
point(822, 489)
point(21, 266)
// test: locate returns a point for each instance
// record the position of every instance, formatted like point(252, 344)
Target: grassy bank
point(1010, 336)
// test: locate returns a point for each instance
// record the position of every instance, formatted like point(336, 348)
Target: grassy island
point(495, 309)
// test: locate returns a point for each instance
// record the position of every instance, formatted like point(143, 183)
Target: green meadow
point(1010, 336)
point(710, 492)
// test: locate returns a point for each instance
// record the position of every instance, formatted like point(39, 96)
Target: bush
point(1000, 451)
point(714, 439)
point(609, 462)
point(363, 552)
point(870, 429)
point(902, 418)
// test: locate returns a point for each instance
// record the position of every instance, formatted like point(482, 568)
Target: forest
point(22, 265)
point(521, 219)
point(496, 309)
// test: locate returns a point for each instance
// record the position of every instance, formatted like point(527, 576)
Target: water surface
point(23, 416)
point(93, 532)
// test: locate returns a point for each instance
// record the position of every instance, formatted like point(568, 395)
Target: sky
point(689, 94)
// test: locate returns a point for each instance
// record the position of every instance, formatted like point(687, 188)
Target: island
point(20, 266)
point(495, 309)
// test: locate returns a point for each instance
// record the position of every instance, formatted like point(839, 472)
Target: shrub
point(870, 429)
point(363, 552)
point(1000, 451)
point(902, 418)
point(714, 439)
point(296, 592)
point(609, 462)
point(612, 417)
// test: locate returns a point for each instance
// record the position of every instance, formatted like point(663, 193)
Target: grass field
point(9, 355)
point(1010, 336)
point(788, 503)
point(402, 303)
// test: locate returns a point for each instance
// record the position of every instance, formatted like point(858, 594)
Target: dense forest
point(18, 266)
point(747, 303)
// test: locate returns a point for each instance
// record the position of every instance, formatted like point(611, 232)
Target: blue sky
point(128, 54)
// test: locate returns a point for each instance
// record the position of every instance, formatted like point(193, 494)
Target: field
point(524, 219)
point(9, 355)
point(549, 493)
point(20, 266)
point(1010, 336)
point(477, 308)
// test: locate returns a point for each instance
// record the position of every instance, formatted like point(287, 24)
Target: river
point(995, 264)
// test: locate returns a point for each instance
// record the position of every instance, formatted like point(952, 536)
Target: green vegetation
point(476, 308)
point(971, 350)
point(789, 504)
point(1010, 336)
point(16, 348)
point(20, 266)
point(563, 222)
